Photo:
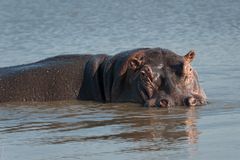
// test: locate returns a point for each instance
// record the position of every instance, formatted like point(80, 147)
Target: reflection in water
point(73, 122)
point(192, 131)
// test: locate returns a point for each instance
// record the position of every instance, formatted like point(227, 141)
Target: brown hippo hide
point(153, 77)
point(56, 78)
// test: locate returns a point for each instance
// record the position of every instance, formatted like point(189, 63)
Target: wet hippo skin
point(150, 76)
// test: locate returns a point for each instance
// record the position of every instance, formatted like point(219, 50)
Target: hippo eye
point(143, 74)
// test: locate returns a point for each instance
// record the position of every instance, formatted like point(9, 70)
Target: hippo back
point(55, 78)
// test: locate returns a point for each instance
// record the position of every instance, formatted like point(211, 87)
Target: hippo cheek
point(146, 91)
point(146, 86)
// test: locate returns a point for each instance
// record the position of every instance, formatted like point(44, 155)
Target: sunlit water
point(32, 30)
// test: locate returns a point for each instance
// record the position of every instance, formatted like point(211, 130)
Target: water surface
point(69, 130)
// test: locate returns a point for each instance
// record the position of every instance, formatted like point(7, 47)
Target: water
point(69, 130)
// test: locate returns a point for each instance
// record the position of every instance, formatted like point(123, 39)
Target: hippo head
point(154, 77)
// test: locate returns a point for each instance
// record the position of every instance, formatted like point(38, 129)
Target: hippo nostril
point(164, 103)
point(190, 101)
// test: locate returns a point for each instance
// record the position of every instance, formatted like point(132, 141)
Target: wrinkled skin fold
point(150, 76)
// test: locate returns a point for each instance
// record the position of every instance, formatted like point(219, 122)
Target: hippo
point(153, 77)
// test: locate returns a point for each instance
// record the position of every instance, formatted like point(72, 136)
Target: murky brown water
point(70, 130)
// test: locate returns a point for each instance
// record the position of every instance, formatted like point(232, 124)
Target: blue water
point(33, 30)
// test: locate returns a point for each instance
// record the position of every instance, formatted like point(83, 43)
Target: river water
point(70, 130)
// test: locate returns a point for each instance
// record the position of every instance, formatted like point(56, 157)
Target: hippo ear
point(132, 61)
point(136, 61)
point(189, 56)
